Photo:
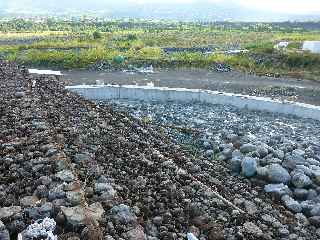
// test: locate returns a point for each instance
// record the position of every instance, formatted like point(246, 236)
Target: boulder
point(248, 148)
point(236, 164)
point(77, 216)
point(278, 190)
point(249, 167)
point(291, 204)
point(8, 212)
point(278, 174)
point(122, 214)
point(66, 176)
point(300, 180)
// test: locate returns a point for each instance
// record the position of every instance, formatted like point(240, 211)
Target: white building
point(312, 46)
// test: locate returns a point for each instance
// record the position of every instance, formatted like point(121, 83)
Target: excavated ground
point(101, 174)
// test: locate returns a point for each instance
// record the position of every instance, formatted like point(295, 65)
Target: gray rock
point(291, 204)
point(122, 214)
point(252, 229)
point(291, 161)
point(312, 194)
point(250, 207)
point(249, 167)
point(263, 151)
point(248, 148)
point(298, 152)
point(74, 197)
point(56, 192)
point(315, 211)
point(29, 201)
point(82, 157)
point(278, 154)
point(278, 190)
point(66, 176)
point(262, 172)
point(300, 180)
point(103, 187)
point(300, 194)
point(227, 153)
point(307, 207)
point(35, 213)
point(315, 221)
point(135, 234)
point(236, 164)
point(8, 212)
point(278, 174)
point(20, 94)
point(77, 216)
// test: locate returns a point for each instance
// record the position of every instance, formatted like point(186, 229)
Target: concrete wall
point(146, 93)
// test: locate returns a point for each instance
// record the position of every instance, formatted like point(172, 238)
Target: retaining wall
point(163, 94)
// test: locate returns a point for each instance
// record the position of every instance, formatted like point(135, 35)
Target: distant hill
point(200, 10)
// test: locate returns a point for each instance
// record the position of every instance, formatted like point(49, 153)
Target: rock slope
point(102, 175)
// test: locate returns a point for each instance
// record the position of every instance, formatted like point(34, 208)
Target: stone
point(235, 163)
point(248, 148)
point(249, 167)
point(277, 190)
point(312, 194)
point(291, 161)
point(66, 176)
point(136, 234)
point(262, 172)
point(82, 157)
point(315, 221)
point(298, 152)
point(300, 194)
point(74, 197)
point(278, 154)
point(20, 94)
point(44, 211)
point(104, 187)
point(29, 201)
point(263, 151)
point(300, 180)
point(291, 204)
point(278, 174)
point(77, 216)
point(252, 229)
point(122, 214)
point(307, 206)
point(315, 211)
point(250, 207)
point(8, 212)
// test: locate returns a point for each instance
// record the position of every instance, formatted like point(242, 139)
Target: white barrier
point(44, 72)
point(163, 94)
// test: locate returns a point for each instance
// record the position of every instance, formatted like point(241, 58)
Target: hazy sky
point(282, 6)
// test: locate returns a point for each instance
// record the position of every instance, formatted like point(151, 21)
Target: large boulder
point(249, 167)
point(248, 148)
point(278, 174)
point(300, 180)
point(122, 214)
point(8, 212)
point(278, 190)
point(291, 204)
point(79, 215)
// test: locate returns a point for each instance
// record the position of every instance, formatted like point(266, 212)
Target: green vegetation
point(79, 44)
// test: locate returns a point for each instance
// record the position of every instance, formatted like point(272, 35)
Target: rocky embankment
point(89, 172)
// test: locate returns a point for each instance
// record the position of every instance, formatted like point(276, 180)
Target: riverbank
point(101, 174)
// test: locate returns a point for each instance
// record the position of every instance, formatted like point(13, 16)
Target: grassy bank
point(71, 46)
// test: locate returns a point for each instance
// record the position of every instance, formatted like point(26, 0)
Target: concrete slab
point(163, 94)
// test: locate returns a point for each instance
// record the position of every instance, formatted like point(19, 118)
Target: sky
point(281, 6)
